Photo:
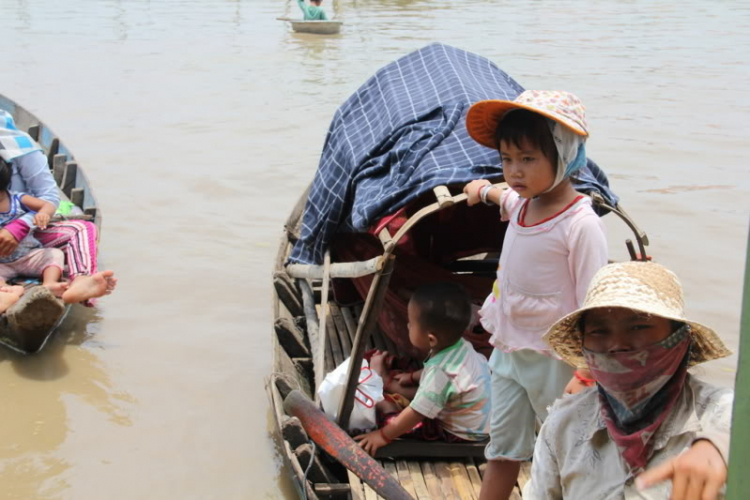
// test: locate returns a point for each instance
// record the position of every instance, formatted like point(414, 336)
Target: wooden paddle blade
point(343, 448)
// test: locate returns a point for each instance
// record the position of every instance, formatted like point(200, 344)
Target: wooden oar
point(340, 446)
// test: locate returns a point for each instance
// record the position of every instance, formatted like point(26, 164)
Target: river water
point(200, 122)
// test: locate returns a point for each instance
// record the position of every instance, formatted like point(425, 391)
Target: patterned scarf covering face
point(571, 151)
point(637, 390)
point(13, 142)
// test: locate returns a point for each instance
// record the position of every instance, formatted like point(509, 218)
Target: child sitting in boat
point(452, 400)
point(313, 12)
point(553, 246)
point(647, 412)
point(30, 259)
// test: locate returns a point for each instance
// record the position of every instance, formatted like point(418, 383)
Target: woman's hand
point(8, 243)
point(472, 191)
point(697, 474)
point(371, 441)
point(41, 220)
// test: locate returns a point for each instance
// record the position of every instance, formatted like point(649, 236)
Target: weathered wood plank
point(404, 477)
point(332, 490)
point(426, 449)
point(432, 481)
point(287, 293)
point(33, 131)
point(58, 168)
point(369, 492)
point(288, 367)
point(317, 472)
point(304, 368)
point(524, 475)
point(298, 473)
point(350, 320)
point(474, 477)
point(76, 197)
point(443, 472)
point(328, 352)
point(418, 479)
point(390, 466)
point(462, 481)
point(291, 338)
point(515, 494)
point(54, 147)
point(292, 431)
point(333, 340)
point(355, 483)
point(341, 329)
point(69, 177)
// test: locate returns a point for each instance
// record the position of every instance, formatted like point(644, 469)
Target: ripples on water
point(199, 123)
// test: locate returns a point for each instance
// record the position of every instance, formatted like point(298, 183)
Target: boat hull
point(317, 27)
point(28, 324)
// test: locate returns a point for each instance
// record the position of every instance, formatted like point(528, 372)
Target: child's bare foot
point(58, 288)
point(109, 277)
point(89, 287)
point(7, 299)
point(14, 289)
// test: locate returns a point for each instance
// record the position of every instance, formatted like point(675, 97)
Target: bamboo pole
point(367, 322)
point(338, 269)
point(739, 481)
point(320, 349)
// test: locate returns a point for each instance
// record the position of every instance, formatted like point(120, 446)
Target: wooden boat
point(315, 27)
point(27, 325)
point(313, 333)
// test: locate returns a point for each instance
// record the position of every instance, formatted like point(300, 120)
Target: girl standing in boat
point(553, 246)
point(30, 259)
point(313, 12)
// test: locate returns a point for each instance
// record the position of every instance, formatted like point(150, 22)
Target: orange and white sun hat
point(563, 107)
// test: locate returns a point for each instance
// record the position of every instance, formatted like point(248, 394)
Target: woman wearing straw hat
point(649, 429)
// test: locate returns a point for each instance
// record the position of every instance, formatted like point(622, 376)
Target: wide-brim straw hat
point(645, 287)
point(563, 107)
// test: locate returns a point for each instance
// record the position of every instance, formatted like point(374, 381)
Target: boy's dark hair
point(444, 310)
point(5, 175)
point(521, 124)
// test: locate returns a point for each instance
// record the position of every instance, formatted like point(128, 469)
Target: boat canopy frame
point(381, 267)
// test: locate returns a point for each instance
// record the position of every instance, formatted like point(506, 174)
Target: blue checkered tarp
point(401, 134)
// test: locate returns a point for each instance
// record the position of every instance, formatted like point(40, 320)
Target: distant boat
point(316, 27)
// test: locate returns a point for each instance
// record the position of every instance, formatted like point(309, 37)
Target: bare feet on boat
point(9, 298)
point(58, 288)
point(90, 287)
point(16, 289)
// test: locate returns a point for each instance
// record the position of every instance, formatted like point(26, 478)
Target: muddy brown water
point(199, 123)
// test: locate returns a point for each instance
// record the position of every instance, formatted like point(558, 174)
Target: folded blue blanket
point(401, 134)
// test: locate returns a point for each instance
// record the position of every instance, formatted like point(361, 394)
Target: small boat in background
point(27, 325)
point(316, 27)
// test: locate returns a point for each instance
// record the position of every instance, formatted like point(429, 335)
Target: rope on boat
point(307, 469)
